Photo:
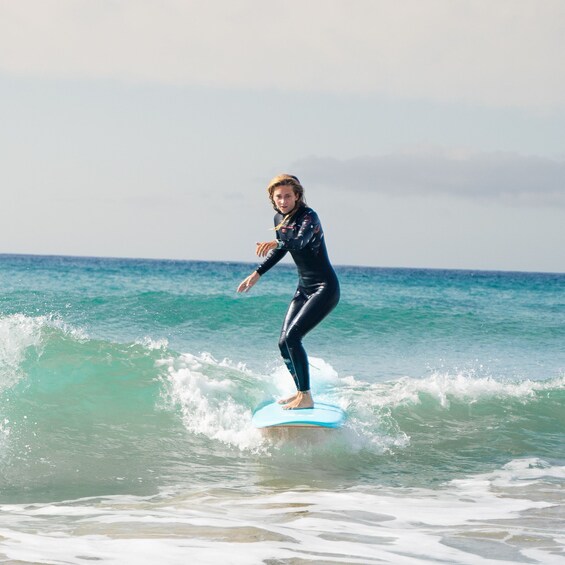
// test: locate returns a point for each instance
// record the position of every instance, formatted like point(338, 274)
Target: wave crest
point(20, 333)
point(214, 398)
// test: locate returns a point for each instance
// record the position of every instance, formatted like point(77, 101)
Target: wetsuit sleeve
point(272, 259)
point(309, 226)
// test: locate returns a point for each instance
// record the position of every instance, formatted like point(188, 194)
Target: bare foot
point(302, 401)
point(289, 399)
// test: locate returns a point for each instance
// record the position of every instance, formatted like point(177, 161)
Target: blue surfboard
point(272, 414)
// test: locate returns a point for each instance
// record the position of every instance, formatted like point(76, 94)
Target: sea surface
point(126, 394)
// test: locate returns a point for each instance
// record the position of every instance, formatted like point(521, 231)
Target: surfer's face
point(285, 199)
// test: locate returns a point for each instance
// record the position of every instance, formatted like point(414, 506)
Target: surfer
point(298, 231)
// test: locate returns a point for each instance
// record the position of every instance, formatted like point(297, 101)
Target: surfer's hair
point(287, 180)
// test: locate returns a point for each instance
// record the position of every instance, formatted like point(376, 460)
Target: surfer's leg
point(299, 360)
point(293, 309)
point(312, 312)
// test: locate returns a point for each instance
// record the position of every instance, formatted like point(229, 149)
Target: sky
point(426, 133)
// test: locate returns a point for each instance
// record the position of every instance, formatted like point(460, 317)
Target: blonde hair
point(298, 189)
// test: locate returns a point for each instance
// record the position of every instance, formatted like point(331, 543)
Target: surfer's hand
point(265, 247)
point(247, 283)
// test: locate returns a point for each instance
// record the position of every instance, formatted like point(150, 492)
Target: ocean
point(127, 388)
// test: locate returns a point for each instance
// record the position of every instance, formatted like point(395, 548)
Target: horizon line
point(240, 262)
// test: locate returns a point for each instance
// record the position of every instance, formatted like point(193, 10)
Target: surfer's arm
point(274, 256)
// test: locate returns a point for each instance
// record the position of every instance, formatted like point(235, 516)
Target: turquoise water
point(127, 387)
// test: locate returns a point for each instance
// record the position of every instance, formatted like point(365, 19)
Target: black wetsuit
point(318, 288)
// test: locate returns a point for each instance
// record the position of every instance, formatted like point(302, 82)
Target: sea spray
point(215, 400)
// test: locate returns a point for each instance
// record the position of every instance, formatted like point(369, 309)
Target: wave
point(445, 388)
point(75, 410)
point(452, 416)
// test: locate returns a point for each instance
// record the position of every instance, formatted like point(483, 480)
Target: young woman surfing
point(298, 231)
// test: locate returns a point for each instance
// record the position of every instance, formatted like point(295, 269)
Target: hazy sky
point(427, 133)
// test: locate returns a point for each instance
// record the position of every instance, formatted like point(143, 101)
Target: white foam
point(201, 388)
point(462, 522)
point(153, 344)
point(216, 398)
point(520, 473)
point(443, 386)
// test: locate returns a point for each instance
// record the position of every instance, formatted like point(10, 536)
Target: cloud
point(503, 53)
point(510, 177)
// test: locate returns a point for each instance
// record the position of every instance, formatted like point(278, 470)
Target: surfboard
point(272, 414)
